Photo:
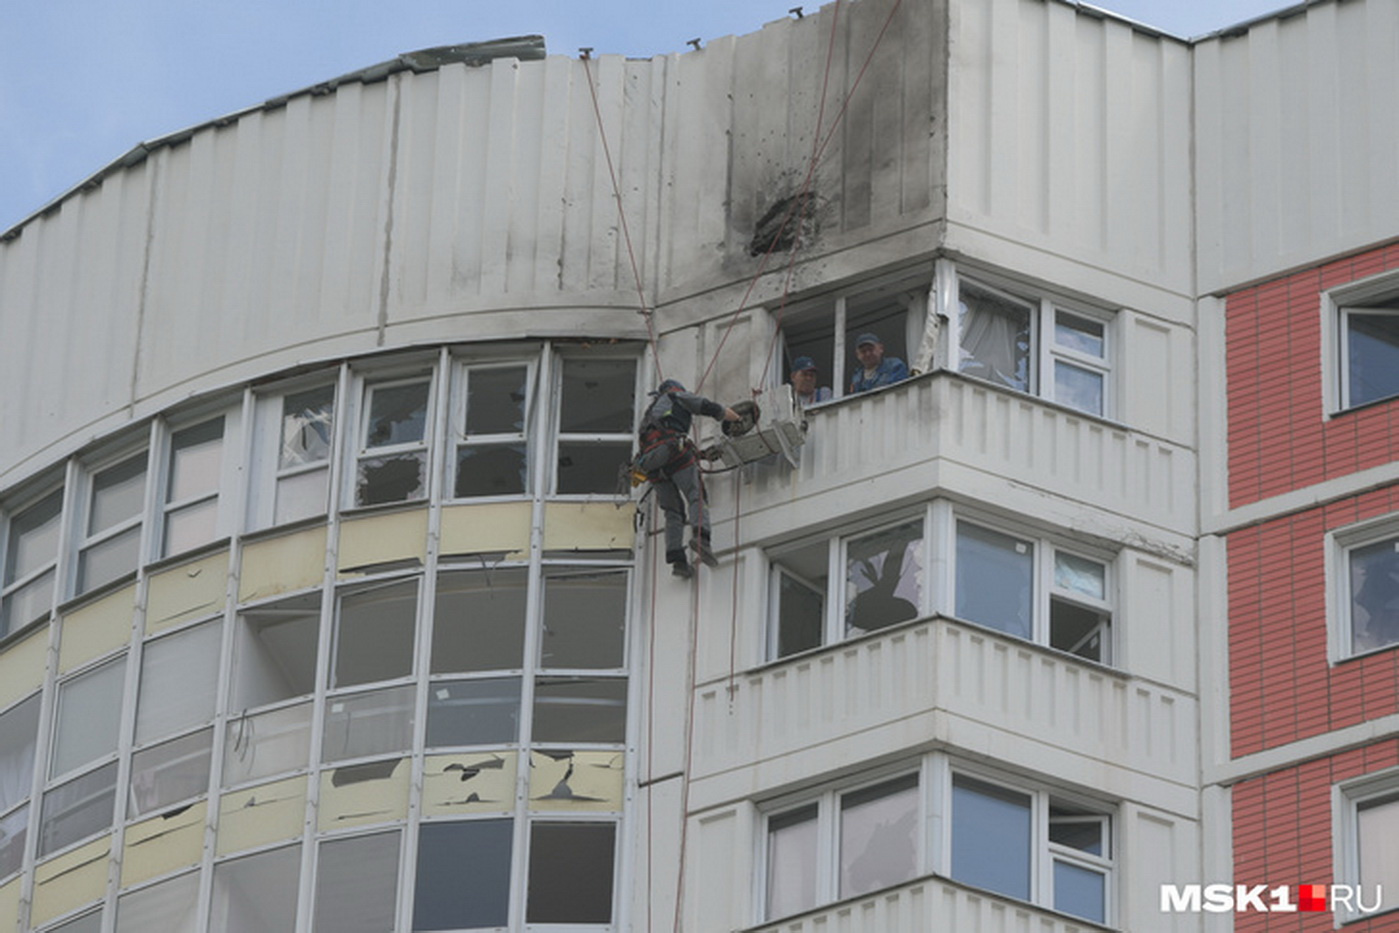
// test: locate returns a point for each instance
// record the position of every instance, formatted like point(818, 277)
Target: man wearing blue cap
point(671, 465)
point(804, 382)
point(876, 371)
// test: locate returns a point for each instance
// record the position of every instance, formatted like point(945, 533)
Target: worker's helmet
point(669, 385)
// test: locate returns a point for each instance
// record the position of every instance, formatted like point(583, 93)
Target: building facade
point(325, 604)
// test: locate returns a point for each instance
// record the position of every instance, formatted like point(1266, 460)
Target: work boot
point(701, 547)
point(682, 570)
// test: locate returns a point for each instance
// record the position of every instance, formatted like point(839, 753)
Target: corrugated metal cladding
point(1298, 140)
point(403, 209)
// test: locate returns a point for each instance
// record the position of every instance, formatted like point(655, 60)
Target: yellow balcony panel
point(282, 564)
point(487, 528)
point(22, 667)
point(376, 540)
point(472, 782)
point(71, 880)
point(588, 526)
point(163, 844)
point(373, 792)
point(92, 630)
point(261, 815)
point(188, 591)
point(575, 781)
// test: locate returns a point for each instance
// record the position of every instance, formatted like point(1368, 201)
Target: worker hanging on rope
point(670, 462)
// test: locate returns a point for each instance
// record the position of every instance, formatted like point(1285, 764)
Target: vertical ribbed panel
point(1297, 131)
point(1071, 132)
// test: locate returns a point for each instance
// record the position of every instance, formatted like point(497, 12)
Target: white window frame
point(84, 542)
point(364, 385)
point(1340, 543)
point(1347, 798)
point(1045, 351)
point(456, 428)
point(224, 492)
point(265, 456)
point(10, 587)
point(559, 436)
point(1336, 306)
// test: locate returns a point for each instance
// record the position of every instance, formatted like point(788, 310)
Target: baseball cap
point(865, 338)
point(802, 363)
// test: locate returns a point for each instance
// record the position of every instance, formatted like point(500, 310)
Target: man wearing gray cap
point(804, 382)
point(877, 371)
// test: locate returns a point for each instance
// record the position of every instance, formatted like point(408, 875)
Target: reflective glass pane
point(463, 880)
point(191, 526)
point(169, 773)
point(179, 682)
point(269, 743)
point(33, 539)
point(170, 907)
point(196, 457)
point(1374, 600)
point(995, 574)
point(1372, 344)
point(995, 337)
point(115, 557)
point(491, 470)
point(27, 603)
point(357, 884)
point(598, 396)
point(87, 923)
point(1077, 629)
point(374, 634)
point(792, 851)
point(478, 623)
point(274, 652)
point(801, 614)
point(1080, 891)
point(78, 809)
point(1378, 828)
point(991, 837)
point(884, 578)
point(397, 415)
point(1077, 829)
point(89, 714)
point(580, 709)
point(390, 479)
point(1078, 333)
point(879, 836)
point(1080, 575)
point(256, 893)
point(19, 734)
point(301, 495)
point(372, 723)
point(570, 873)
point(307, 418)
point(495, 400)
point(593, 467)
point(14, 829)
point(117, 494)
point(1078, 387)
point(585, 619)
point(473, 712)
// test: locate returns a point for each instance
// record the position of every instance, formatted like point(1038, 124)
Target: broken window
point(357, 884)
point(1369, 343)
point(77, 809)
point(597, 415)
point(31, 550)
point(303, 457)
point(266, 744)
point(585, 619)
point(19, 734)
point(1079, 612)
point(392, 461)
point(483, 711)
point(14, 829)
point(111, 545)
point(878, 836)
point(883, 578)
point(375, 722)
point(995, 336)
point(492, 422)
point(463, 875)
point(192, 488)
point(580, 709)
point(792, 862)
point(169, 906)
point(1370, 606)
point(478, 621)
point(165, 774)
point(89, 717)
point(800, 578)
point(274, 652)
point(179, 681)
point(571, 868)
point(256, 892)
point(374, 633)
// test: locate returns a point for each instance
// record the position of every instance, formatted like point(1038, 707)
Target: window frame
point(457, 439)
point(53, 486)
point(267, 474)
point(1340, 543)
point(1347, 799)
point(223, 491)
point(83, 541)
point(558, 436)
point(1337, 304)
point(364, 384)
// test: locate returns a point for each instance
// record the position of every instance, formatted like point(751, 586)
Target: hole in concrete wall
point(789, 223)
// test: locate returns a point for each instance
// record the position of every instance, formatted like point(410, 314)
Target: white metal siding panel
point(1297, 132)
point(1071, 133)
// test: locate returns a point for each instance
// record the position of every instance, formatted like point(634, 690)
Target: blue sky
point(83, 81)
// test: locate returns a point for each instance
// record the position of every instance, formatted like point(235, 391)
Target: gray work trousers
point(682, 489)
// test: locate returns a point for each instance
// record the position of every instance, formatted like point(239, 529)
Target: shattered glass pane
point(357, 884)
point(170, 772)
point(995, 579)
point(196, 458)
point(995, 333)
point(81, 808)
point(257, 892)
point(598, 396)
point(495, 400)
point(463, 878)
point(593, 467)
point(473, 712)
point(570, 873)
point(374, 634)
point(991, 837)
point(397, 415)
point(391, 479)
point(1374, 602)
point(117, 494)
point(585, 620)
point(478, 623)
point(307, 418)
point(879, 836)
point(792, 849)
point(580, 709)
point(884, 578)
point(491, 470)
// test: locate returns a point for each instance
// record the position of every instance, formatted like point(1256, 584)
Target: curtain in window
point(995, 338)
